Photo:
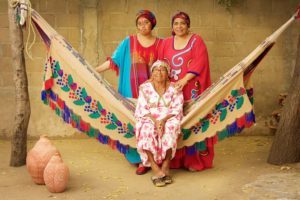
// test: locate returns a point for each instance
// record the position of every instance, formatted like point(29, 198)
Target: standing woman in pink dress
point(187, 56)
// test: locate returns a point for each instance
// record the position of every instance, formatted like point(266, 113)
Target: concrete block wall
point(96, 27)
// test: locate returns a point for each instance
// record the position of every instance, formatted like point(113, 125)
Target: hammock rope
point(79, 95)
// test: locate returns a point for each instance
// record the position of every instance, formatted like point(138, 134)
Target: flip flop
point(158, 181)
point(168, 179)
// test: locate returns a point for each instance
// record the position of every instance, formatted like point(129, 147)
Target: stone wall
point(96, 27)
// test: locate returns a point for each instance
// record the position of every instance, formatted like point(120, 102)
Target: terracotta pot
point(56, 174)
point(38, 157)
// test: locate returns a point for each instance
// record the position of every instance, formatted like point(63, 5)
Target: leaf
point(57, 66)
point(83, 92)
point(111, 126)
point(129, 135)
point(240, 102)
point(114, 118)
point(70, 80)
point(186, 133)
point(204, 125)
point(79, 102)
point(54, 75)
point(95, 115)
point(234, 93)
point(223, 114)
point(65, 88)
point(130, 127)
point(99, 106)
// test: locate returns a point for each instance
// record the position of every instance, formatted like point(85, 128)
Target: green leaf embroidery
point(204, 125)
point(65, 88)
point(235, 93)
point(83, 92)
point(130, 127)
point(240, 102)
point(114, 118)
point(186, 133)
point(128, 135)
point(79, 102)
point(54, 75)
point(111, 126)
point(95, 115)
point(70, 80)
point(57, 66)
point(223, 114)
point(99, 106)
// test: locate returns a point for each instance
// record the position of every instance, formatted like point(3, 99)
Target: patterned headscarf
point(148, 15)
point(183, 16)
point(160, 63)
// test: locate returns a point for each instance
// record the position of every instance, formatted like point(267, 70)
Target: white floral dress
point(149, 102)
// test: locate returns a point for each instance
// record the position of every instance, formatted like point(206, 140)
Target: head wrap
point(160, 63)
point(148, 15)
point(181, 15)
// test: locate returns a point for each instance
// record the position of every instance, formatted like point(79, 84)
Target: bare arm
point(103, 67)
point(182, 82)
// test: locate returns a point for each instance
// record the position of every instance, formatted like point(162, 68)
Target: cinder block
point(53, 6)
point(113, 6)
point(193, 7)
point(35, 65)
point(6, 79)
point(74, 35)
point(119, 20)
point(258, 6)
point(3, 7)
point(205, 19)
point(5, 65)
point(35, 79)
point(113, 35)
point(135, 5)
point(73, 6)
point(67, 20)
point(207, 34)
point(223, 20)
point(164, 32)
point(4, 36)
point(4, 21)
point(50, 18)
point(223, 49)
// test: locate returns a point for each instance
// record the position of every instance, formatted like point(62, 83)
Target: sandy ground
point(97, 172)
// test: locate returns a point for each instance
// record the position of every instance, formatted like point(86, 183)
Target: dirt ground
point(97, 172)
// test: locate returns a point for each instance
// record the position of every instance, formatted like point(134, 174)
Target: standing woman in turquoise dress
point(132, 61)
point(134, 56)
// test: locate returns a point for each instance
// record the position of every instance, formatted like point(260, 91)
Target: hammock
point(82, 98)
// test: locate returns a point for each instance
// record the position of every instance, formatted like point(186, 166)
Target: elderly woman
point(158, 115)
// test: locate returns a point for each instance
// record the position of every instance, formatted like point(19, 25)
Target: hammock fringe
point(58, 105)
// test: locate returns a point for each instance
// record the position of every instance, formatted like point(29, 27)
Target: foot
point(158, 181)
point(142, 169)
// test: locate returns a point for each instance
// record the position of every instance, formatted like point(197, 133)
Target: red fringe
point(241, 122)
point(60, 103)
point(48, 83)
point(113, 66)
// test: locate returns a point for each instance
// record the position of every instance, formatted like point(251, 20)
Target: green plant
point(227, 3)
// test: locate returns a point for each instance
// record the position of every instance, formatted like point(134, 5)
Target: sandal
point(168, 179)
point(158, 181)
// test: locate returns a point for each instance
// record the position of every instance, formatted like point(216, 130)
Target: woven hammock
point(82, 98)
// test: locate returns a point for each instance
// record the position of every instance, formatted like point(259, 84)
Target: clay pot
point(38, 157)
point(56, 174)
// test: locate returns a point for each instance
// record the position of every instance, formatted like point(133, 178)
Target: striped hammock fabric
point(82, 98)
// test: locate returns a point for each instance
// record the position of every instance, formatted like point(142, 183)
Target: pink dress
point(149, 102)
point(193, 58)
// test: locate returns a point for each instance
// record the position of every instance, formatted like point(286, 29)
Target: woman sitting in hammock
point(158, 114)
